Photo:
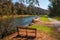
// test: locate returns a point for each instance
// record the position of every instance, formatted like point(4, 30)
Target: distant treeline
point(8, 7)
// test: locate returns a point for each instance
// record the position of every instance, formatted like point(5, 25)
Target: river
point(23, 21)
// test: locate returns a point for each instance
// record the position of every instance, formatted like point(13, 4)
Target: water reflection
point(23, 21)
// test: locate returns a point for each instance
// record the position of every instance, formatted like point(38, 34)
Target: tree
point(54, 8)
point(31, 4)
point(6, 9)
point(30, 1)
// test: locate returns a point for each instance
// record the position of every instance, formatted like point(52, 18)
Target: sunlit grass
point(42, 28)
point(44, 18)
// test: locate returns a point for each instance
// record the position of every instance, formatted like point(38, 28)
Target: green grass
point(57, 18)
point(42, 28)
point(45, 18)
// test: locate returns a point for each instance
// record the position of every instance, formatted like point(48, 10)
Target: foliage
point(56, 18)
point(54, 8)
point(8, 7)
point(30, 1)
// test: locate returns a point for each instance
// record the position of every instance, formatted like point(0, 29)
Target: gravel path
point(55, 22)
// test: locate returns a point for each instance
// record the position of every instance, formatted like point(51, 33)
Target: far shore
point(14, 16)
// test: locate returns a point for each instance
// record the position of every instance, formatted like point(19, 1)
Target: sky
point(43, 3)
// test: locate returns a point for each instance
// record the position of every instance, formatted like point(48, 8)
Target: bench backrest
point(25, 31)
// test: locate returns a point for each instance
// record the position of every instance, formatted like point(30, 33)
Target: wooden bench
point(25, 32)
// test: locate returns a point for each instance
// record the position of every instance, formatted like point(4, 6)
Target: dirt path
point(40, 36)
point(57, 30)
point(55, 22)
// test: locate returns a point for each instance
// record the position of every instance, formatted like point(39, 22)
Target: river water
point(23, 21)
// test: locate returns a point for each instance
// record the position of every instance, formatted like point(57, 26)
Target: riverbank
point(41, 25)
point(48, 28)
point(14, 16)
point(43, 28)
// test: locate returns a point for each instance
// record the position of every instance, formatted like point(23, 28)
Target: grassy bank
point(15, 16)
point(44, 18)
point(45, 29)
point(42, 28)
point(56, 18)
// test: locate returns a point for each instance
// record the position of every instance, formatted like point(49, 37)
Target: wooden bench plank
point(27, 31)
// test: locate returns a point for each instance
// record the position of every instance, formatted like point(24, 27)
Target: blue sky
point(43, 3)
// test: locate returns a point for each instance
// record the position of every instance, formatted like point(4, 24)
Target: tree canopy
point(54, 8)
point(8, 7)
